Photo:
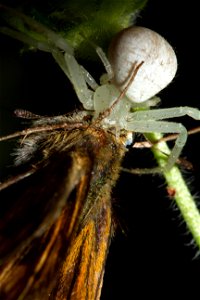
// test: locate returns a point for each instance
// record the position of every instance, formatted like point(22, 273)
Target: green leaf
point(84, 23)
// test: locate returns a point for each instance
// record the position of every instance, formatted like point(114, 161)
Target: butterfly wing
point(55, 229)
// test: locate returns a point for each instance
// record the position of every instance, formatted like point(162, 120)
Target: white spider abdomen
point(134, 45)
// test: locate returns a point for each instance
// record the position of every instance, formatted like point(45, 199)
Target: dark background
point(152, 252)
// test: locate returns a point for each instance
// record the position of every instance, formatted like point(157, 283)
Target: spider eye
point(134, 45)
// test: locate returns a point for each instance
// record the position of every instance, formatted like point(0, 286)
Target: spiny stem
point(176, 183)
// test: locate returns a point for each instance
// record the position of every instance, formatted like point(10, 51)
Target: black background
point(152, 253)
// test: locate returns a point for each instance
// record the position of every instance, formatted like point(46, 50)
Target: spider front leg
point(55, 44)
point(45, 39)
point(32, 32)
point(81, 78)
point(78, 77)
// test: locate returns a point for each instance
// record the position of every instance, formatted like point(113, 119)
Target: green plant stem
point(176, 183)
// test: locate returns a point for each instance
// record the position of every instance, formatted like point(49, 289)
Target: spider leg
point(41, 45)
point(37, 35)
point(44, 38)
point(106, 64)
point(162, 127)
point(166, 113)
point(89, 79)
point(77, 78)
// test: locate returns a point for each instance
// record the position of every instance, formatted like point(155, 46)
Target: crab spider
point(131, 47)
